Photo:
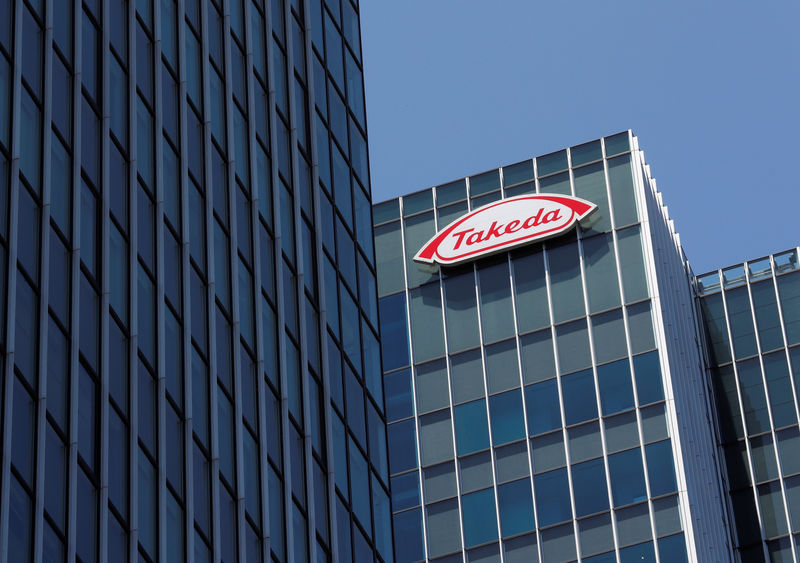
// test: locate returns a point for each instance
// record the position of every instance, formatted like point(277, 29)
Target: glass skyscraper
point(190, 360)
point(752, 321)
point(550, 403)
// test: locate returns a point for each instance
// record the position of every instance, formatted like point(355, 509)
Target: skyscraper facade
point(190, 363)
point(752, 322)
point(549, 403)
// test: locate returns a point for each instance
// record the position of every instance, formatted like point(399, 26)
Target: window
point(616, 393)
point(480, 524)
point(580, 402)
point(544, 412)
point(589, 486)
point(627, 477)
point(552, 497)
point(507, 418)
point(472, 427)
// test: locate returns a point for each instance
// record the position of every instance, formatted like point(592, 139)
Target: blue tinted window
point(402, 448)
point(394, 331)
point(767, 319)
point(516, 507)
point(660, 469)
point(779, 388)
point(609, 557)
point(627, 477)
point(589, 485)
point(638, 553)
point(789, 290)
point(405, 491)
point(648, 377)
point(672, 548)
point(552, 497)
point(542, 405)
point(480, 524)
point(506, 412)
point(399, 397)
point(741, 322)
point(472, 427)
point(616, 393)
point(579, 399)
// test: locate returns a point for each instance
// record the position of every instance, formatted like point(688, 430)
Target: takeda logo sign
point(502, 225)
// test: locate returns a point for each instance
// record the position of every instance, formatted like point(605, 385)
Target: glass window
point(741, 322)
point(548, 452)
point(789, 450)
point(556, 184)
point(461, 311)
point(516, 173)
point(585, 442)
point(673, 548)
point(765, 466)
point(793, 499)
point(405, 491)
point(601, 273)
point(616, 393)
point(58, 374)
point(418, 230)
point(26, 330)
point(633, 524)
point(475, 471)
point(30, 140)
point(450, 213)
point(565, 281)
point(589, 487)
point(87, 515)
point(660, 468)
point(388, 252)
point(402, 446)
point(552, 497)
point(511, 462)
point(608, 330)
point(480, 522)
point(596, 535)
point(766, 309)
point(426, 322)
point(502, 368)
point(590, 184)
point(432, 387)
point(399, 396)
point(627, 477)
point(484, 183)
point(580, 402)
point(587, 152)
point(572, 340)
point(408, 525)
point(731, 426)
point(654, 423)
point(466, 371)
point(716, 328)
point(495, 299)
point(753, 399)
point(418, 202)
point(24, 431)
point(472, 427)
point(558, 544)
point(507, 418)
point(439, 481)
point(544, 411)
point(444, 534)
point(435, 437)
point(631, 259)
point(647, 370)
point(789, 291)
point(779, 388)
point(616, 144)
point(516, 507)
point(536, 352)
point(553, 162)
point(621, 432)
point(622, 192)
point(667, 515)
point(640, 328)
point(772, 510)
point(530, 290)
point(637, 553)
point(394, 331)
point(28, 234)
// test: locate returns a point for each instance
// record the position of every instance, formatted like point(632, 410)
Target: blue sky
point(710, 88)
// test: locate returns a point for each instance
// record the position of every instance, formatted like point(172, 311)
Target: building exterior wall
point(751, 314)
point(535, 399)
point(187, 284)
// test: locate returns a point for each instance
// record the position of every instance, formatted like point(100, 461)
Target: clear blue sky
point(711, 89)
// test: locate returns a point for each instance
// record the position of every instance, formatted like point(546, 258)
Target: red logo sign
point(502, 225)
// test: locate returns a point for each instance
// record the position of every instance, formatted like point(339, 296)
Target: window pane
point(558, 544)
point(589, 484)
point(502, 368)
point(552, 497)
point(516, 507)
point(436, 438)
point(544, 413)
point(660, 470)
point(472, 427)
point(548, 452)
point(565, 281)
point(634, 279)
point(579, 397)
point(480, 524)
point(439, 483)
point(616, 393)
point(620, 180)
point(640, 328)
point(648, 377)
point(716, 328)
point(536, 352)
point(466, 371)
point(408, 525)
point(753, 398)
point(621, 432)
point(766, 310)
point(572, 340)
point(789, 291)
point(585, 442)
point(432, 387)
point(405, 491)
point(418, 230)
point(741, 322)
point(444, 534)
point(507, 418)
point(495, 299)
point(426, 322)
point(461, 311)
point(601, 273)
point(627, 477)
point(531, 291)
point(399, 397)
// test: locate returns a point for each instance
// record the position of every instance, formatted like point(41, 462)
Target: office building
point(190, 364)
point(553, 402)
